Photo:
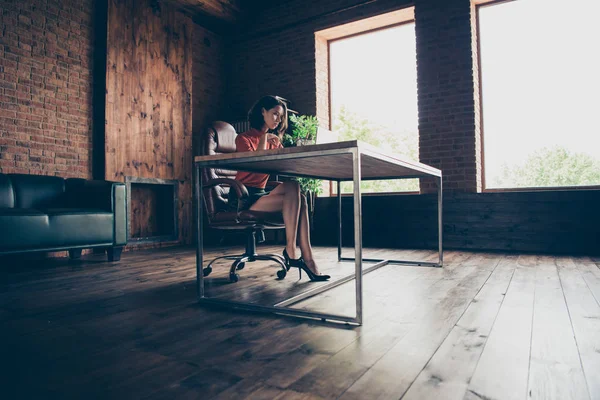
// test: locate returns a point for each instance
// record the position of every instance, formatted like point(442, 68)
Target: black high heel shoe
point(301, 265)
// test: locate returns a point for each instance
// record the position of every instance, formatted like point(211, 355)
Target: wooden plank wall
point(558, 222)
point(148, 97)
point(209, 83)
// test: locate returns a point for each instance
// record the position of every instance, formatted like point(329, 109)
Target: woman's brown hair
point(257, 120)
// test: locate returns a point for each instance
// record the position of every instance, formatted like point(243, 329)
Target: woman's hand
point(268, 138)
point(273, 139)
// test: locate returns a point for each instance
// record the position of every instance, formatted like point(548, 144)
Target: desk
point(341, 161)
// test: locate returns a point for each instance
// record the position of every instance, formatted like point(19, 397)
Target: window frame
point(403, 16)
point(478, 5)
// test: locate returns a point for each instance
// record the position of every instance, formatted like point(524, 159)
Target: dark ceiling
point(221, 16)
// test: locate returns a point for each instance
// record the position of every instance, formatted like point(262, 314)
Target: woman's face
point(273, 116)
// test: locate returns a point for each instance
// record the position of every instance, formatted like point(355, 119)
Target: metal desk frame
point(356, 149)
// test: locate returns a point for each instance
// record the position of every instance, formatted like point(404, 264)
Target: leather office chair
point(219, 138)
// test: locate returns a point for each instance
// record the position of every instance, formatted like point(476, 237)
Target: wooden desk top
point(332, 161)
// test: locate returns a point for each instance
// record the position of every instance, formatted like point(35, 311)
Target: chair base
point(249, 255)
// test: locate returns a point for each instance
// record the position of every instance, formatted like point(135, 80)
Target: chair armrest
point(237, 186)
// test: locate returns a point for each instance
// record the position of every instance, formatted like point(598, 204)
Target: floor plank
point(585, 319)
point(590, 271)
point(555, 368)
point(487, 325)
point(503, 368)
point(436, 314)
point(448, 372)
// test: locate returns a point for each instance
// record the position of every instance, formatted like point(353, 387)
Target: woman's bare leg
point(304, 236)
point(284, 198)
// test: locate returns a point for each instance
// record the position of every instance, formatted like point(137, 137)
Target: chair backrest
point(218, 138)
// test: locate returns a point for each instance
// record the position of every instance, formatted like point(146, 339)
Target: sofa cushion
point(37, 191)
point(7, 194)
point(21, 227)
point(24, 229)
point(80, 226)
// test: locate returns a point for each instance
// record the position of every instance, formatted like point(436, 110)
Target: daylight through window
point(373, 83)
point(540, 93)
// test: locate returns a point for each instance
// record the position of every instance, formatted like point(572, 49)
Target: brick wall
point(46, 72)
point(556, 222)
point(447, 137)
point(46, 87)
point(448, 100)
point(277, 55)
point(262, 66)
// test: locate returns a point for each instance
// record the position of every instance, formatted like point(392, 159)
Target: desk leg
point(356, 175)
point(199, 233)
point(339, 202)
point(440, 225)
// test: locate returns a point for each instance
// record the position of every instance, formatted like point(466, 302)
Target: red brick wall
point(277, 56)
point(46, 72)
point(447, 138)
point(46, 87)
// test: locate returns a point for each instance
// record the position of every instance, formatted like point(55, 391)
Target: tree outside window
point(540, 85)
point(374, 97)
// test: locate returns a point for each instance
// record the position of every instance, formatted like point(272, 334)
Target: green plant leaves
point(303, 127)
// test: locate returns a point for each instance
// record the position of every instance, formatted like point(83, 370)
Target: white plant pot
point(303, 142)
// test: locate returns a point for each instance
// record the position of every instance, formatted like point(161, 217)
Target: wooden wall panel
point(209, 83)
point(148, 101)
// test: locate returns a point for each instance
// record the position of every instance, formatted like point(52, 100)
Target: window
point(373, 90)
point(540, 91)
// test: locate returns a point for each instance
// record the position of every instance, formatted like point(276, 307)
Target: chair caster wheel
point(233, 278)
point(241, 266)
point(281, 273)
point(206, 271)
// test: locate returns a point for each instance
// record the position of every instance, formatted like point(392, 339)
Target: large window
point(373, 86)
point(540, 89)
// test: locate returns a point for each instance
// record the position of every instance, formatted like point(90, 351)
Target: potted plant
point(303, 131)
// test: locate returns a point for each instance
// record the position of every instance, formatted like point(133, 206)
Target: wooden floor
point(486, 326)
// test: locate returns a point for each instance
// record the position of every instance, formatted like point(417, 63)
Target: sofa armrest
point(103, 195)
point(119, 203)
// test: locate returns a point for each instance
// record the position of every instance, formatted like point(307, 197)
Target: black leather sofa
point(49, 213)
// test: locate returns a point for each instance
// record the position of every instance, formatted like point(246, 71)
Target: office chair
point(219, 138)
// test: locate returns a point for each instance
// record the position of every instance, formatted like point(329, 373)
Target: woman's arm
point(266, 139)
point(262, 143)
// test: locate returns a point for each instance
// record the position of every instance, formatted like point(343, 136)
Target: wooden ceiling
point(218, 15)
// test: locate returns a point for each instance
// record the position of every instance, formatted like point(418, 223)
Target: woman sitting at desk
point(269, 114)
